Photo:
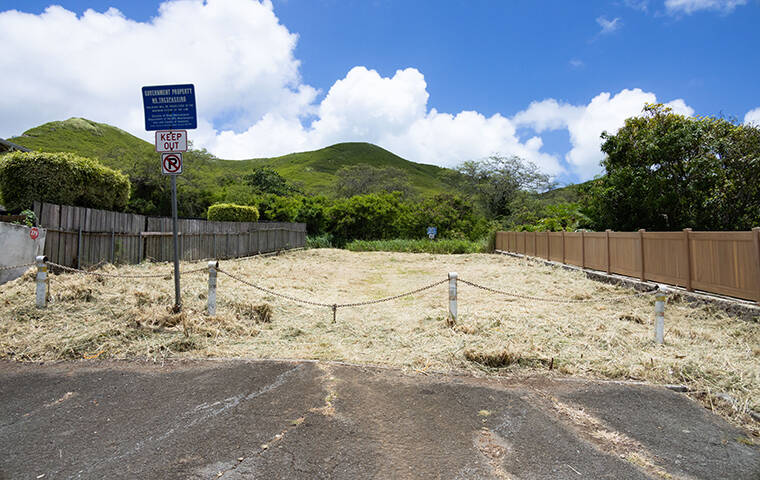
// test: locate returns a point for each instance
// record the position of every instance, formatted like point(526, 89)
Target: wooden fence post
point(79, 248)
point(642, 277)
point(583, 251)
point(686, 232)
point(756, 231)
point(607, 232)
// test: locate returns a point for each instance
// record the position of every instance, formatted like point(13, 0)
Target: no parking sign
point(34, 233)
point(171, 163)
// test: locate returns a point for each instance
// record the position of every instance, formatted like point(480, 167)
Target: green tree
point(452, 215)
point(667, 171)
point(267, 180)
point(363, 179)
point(497, 180)
point(368, 217)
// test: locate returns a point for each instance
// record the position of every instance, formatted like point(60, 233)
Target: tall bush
point(62, 178)
point(229, 212)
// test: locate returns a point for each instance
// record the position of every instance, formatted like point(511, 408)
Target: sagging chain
point(558, 300)
point(333, 306)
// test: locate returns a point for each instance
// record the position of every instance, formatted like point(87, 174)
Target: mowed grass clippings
point(95, 317)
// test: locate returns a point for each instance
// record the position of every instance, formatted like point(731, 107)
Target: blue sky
point(434, 81)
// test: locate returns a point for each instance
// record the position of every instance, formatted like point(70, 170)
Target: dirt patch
point(96, 317)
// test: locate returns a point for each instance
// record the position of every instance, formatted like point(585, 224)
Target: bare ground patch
point(95, 317)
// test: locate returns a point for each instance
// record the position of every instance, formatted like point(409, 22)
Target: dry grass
point(125, 318)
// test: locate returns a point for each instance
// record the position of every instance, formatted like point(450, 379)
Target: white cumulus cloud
point(585, 123)
point(56, 64)
point(753, 117)
point(251, 99)
point(692, 6)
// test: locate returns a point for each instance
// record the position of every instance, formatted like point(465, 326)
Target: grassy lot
point(127, 318)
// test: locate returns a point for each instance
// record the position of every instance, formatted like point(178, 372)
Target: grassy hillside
point(315, 171)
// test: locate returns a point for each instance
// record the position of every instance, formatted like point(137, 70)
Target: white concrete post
point(452, 298)
point(42, 276)
point(659, 318)
point(212, 266)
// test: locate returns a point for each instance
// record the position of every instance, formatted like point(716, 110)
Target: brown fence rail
point(78, 236)
point(727, 263)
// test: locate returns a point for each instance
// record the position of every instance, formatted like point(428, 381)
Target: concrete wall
point(18, 248)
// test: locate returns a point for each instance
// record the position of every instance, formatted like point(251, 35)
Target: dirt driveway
point(282, 419)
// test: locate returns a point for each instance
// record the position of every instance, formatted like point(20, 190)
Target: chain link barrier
point(112, 275)
point(559, 300)
point(333, 306)
point(13, 267)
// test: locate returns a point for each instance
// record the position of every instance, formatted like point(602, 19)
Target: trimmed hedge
point(62, 178)
point(229, 212)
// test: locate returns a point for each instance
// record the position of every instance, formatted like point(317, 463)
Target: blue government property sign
point(432, 231)
point(170, 107)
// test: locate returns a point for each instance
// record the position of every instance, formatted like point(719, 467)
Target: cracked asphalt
point(241, 419)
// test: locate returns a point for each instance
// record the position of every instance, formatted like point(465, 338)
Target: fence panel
point(574, 248)
point(665, 258)
point(595, 250)
point(726, 262)
point(625, 253)
point(556, 246)
point(126, 238)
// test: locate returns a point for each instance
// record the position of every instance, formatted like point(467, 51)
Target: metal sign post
point(170, 109)
point(177, 295)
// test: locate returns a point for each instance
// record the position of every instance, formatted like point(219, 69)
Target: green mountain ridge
point(314, 171)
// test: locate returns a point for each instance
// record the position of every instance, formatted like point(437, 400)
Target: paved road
point(267, 419)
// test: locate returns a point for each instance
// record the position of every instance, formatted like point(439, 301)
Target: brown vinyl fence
point(727, 263)
point(78, 236)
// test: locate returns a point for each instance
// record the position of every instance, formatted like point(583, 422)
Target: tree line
point(663, 171)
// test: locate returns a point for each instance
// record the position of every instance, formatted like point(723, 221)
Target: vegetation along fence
point(78, 237)
point(727, 263)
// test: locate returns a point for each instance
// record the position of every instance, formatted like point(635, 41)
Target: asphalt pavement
point(242, 419)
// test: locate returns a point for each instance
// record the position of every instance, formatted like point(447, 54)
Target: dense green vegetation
point(664, 171)
point(207, 179)
point(445, 246)
point(229, 212)
point(667, 172)
point(60, 178)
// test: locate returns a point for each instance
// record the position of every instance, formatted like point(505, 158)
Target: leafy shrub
point(313, 212)
point(453, 216)
point(275, 208)
point(60, 178)
point(368, 217)
point(229, 212)
point(445, 246)
point(320, 241)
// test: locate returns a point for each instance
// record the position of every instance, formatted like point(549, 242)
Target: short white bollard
point(659, 318)
point(42, 281)
point(452, 298)
point(212, 266)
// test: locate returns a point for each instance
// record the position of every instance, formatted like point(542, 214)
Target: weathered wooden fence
point(78, 236)
point(727, 263)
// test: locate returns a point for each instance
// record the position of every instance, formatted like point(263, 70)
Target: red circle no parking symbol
point(171, 163)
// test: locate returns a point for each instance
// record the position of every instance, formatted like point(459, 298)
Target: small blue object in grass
point(431, 232)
